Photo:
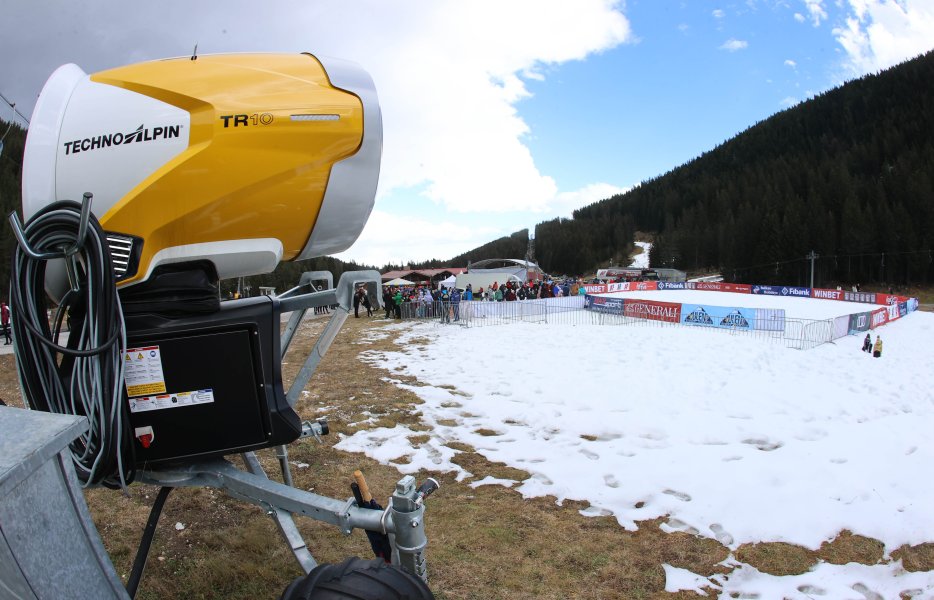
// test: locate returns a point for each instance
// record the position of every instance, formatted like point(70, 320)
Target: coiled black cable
point(85, 377)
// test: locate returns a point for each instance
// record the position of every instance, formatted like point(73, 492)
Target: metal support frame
point(402, 521)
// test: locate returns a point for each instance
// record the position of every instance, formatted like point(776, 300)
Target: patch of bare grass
point(777, 558)
point(847, 548)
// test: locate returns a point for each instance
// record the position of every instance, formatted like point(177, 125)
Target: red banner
point(880, 317)
point(632, 286)
point(827, 294)
point(889, 299)
point(650, 309)
point(719, 286)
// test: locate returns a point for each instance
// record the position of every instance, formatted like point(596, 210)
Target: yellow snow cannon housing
point(243, 160)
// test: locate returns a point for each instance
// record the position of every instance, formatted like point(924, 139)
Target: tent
point(448, 283)
point(398, 281)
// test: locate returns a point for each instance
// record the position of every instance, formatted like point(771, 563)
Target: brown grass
point(484, 543)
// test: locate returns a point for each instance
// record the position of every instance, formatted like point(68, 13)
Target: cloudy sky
point(501, 114)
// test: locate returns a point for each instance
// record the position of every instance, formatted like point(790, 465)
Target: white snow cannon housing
point(203, 168)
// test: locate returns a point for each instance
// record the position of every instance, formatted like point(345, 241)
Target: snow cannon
point(239, 160)
point(188, 171)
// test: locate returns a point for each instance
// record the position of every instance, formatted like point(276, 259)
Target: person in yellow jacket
point(877, 348)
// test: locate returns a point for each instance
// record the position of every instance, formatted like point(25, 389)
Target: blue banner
point(782, 290)
point(718, 316)
point(902, 309)
point(613, 306)
point(799, 292)
point(672, 285)
point(768, 290)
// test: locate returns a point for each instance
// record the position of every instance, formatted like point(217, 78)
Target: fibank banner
point(672, 285)
point(613, 306)
point(781, 290)
point(650, 309)
point(718, 316)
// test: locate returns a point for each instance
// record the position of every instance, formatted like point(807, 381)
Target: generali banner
point(719, 286)
point(650, 309)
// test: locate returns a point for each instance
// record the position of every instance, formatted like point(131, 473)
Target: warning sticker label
point(143, 371)
point(162, 401)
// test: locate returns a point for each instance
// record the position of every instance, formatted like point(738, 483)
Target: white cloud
point(733, 45)
point(799, 17)
point(718, 13)
point(791, 63)
point(449, 74)
point(816, 11)
point(881, 33)
point(393, 238)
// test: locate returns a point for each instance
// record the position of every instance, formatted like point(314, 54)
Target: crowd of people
point(444, 302)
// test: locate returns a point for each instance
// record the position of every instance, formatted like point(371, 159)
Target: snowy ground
point(733, 438)
point(641, 261)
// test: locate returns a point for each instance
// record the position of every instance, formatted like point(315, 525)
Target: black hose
point(86, 376)
point(139, 564)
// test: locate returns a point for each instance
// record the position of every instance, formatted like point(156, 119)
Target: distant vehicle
point(483, 280)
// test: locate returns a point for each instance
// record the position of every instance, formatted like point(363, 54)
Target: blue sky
point(501, 114)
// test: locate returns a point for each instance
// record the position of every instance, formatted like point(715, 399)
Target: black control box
point(206, 385)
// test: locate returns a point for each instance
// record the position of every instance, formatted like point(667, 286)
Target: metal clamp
point(83, 221)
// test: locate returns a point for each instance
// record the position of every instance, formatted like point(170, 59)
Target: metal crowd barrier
point(802, 334)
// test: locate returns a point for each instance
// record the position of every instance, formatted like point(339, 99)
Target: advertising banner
point(672, 285)
point(613, 306)
point(632, 286)
point(719, 286)
point(718, 316)
point(893, 312)
point(888, 299)
point(864, 297)
point(902, 309)
point(780, 290)
point(859, 322)
point(912, 304)
point(768, 290)
point(650, 309)
point(593, 288)
point(880, 317)
point(827, 294)
point(770, 319)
